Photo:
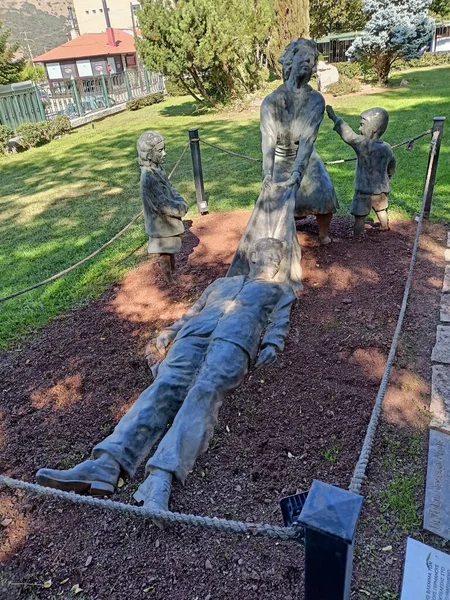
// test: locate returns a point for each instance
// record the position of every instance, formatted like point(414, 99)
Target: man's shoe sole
point(94, 488)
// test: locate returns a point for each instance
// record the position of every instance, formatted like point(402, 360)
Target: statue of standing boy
point(163, 205)
point(375, 167)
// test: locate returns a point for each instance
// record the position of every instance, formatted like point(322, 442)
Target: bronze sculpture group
point(243, 318)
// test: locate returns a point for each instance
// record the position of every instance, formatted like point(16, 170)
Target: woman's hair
point(267, 244)
point(291, 49)
point(145, 145)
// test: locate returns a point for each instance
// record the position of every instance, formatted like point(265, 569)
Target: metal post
point(438, 125)
point(147, 81)
point(40, 104)
point(329, 516)
point(198, 172)
point(105, 91)
point(76, 97)
point(127, 83)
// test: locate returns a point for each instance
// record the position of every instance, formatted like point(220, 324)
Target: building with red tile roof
point(90, 55)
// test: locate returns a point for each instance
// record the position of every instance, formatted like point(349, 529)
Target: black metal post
point(438, 125)
point(329, 516)
point(198, 172)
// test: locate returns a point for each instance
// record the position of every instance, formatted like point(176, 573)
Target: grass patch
point(60, 202)
point(399, 499)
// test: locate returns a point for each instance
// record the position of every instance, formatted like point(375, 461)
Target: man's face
point(159, 153)
point(267, 263)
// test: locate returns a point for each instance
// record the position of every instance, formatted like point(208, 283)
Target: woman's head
point(151, 149)
point(299, 58)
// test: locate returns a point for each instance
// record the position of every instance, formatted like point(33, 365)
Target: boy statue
point(375, 166)
point(163, 205)
point(206, 354)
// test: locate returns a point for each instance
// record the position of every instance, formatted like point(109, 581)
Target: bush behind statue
point(6, 133)
point(362, 69)
point(36, 134)
point(148, 100)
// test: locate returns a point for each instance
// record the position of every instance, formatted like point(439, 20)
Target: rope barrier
point(229, 151)
point(328, 162)
point(162, 516)
point(363, 460)
point(84, 260)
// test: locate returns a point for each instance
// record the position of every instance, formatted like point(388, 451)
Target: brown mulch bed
point(301, 419)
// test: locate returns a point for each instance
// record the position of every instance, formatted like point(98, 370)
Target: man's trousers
point(188, 391)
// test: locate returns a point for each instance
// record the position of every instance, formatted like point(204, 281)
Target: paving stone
point(445, 308)
point(447, 254)
point(440, 398)
point(441, 351)
point(446, 286)
point(426, 574)
point(437, 493)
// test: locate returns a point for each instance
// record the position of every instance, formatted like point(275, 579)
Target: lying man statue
point(211, 349)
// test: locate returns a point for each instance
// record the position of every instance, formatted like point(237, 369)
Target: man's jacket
point(240, 310)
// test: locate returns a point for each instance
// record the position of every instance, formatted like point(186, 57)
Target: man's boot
point(96, 477)
point(154, 492)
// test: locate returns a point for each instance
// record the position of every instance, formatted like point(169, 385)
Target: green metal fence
point(24, 102)
point(20, 103)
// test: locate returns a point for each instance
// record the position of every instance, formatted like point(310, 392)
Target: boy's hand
point(331, 113)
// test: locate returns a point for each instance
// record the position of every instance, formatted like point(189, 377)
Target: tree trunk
point(230, 81)
point(189, 91)
point(200, 86)
point(383, 67)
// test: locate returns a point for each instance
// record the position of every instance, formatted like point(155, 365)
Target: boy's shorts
point(363, 203)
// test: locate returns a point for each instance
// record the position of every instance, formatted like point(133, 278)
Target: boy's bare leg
point(384, 219)
point(323, 221)
point(358, 228)
point(166, 264)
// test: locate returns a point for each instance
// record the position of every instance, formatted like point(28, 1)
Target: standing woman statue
point(290, 120)
point(163, 205)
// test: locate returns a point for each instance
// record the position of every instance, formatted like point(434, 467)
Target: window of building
point(94, 11)
point(100, 10)
point(131, 61)
point(86, 11)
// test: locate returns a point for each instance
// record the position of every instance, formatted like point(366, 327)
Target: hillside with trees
point(43, 21)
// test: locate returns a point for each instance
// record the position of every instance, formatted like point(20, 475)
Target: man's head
point(265, 258)
point(300, 59)
point(373, 122)
point(151, 149)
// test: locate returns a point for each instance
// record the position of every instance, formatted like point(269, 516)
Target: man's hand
point(267, 356)
point(331, 113)
point(163, 340)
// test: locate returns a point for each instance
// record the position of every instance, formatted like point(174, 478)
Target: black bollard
point(329, 517)
point(438, 125)
point(198, 172)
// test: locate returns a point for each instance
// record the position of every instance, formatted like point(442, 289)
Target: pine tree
point(395, 29)
point(336, 16)
point(212, 48)
point(10, 67)
point(291, 22)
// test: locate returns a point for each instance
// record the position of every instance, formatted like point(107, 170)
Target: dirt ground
point(301, 419)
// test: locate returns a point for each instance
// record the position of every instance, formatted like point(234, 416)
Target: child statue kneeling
point(163, 205)
point(376, 165)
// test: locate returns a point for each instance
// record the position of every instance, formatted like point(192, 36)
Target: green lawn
point(60, 202)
